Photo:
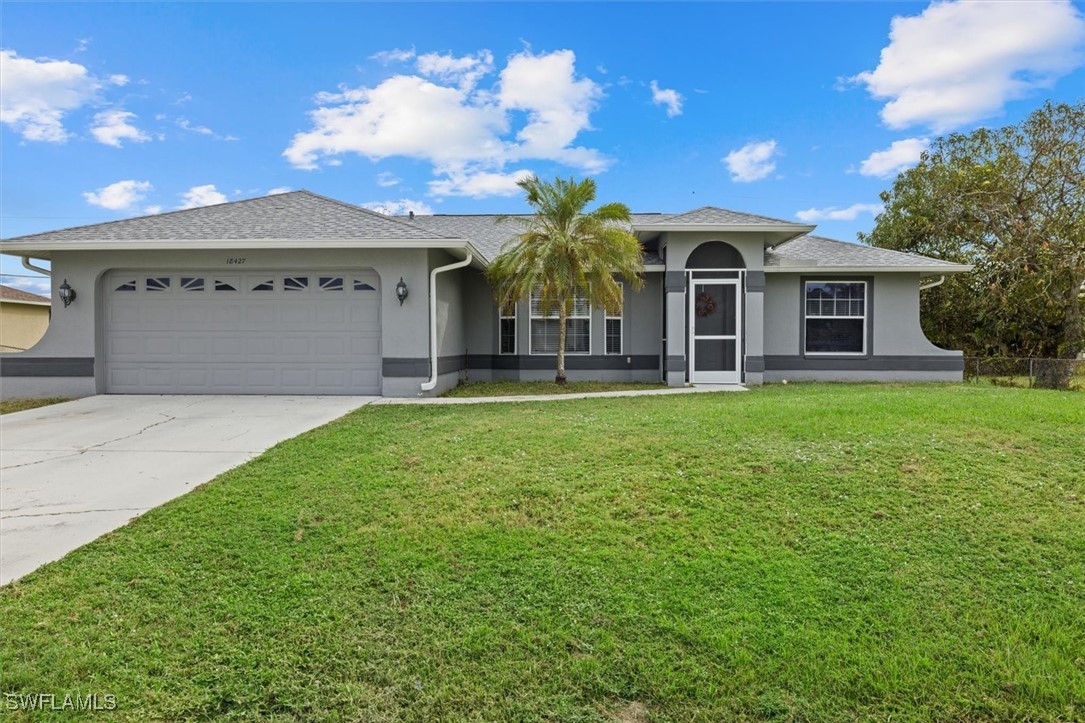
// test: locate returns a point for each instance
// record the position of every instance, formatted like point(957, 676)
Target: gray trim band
point(608, 362)
point(674, 281)
point(871, 364)
point(755, 281)
point(755, 363)
point(46, 366)
point(676, 363)
point(419, 367)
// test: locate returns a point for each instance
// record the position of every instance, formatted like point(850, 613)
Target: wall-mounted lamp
point(67, 293)
point(401, 291)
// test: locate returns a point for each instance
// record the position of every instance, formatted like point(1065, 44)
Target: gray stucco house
point(296, 294)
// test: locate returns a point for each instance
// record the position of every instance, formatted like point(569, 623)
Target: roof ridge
point(371, 212)
point(157, 215)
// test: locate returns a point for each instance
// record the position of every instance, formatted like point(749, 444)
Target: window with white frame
point(544, 328)
point(613, 324)
point(836, 317)
point(506, 330)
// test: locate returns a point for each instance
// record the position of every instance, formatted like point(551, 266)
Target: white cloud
point(277, 190)
point(183, 98)
point(393, 56)
point(464, 72)
point(41, 287)
point(398, 208)
point(752, 162)
point(119, 196)
point(112, 126)
point(185, 124)
point(959, 62)
point(38, 93)
point(387, 180)
point(201, 196)
point(535, 110)
point(82, 44)
point(837, 214)
point(894, 159)
point(119, 79)
point(152, 210)
point(478, 184)
point(672, 99)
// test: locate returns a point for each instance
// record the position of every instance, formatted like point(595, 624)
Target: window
point(192, 283)
point(507, 330)
point(226, 284)
point(296, 283)
point(362, 286)
point(835, 317)
point(158, 283)
point(544, 329)
point(614, 330)
point(331, 283)
point(268, 285)
point(127, 286)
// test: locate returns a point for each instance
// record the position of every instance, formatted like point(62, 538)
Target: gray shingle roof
point(295, 215)
point(828, 253)
point(715, 216)
point(484, 231)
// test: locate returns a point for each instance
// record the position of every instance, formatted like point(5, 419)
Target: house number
point(236, 260)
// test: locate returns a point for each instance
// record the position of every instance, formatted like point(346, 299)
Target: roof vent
point(411, 214)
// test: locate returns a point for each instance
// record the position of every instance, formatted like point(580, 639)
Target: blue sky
point(795, 110)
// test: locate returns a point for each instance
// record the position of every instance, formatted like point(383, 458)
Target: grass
point(799, 553)
point(513, 388)
point(21, 405)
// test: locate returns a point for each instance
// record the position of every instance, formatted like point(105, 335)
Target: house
point(24, 317)
point(301, 294)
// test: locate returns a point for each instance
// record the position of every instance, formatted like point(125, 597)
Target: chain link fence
point(1026, 372)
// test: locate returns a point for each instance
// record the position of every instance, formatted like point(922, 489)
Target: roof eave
point(795, 228)
point(44, 249)
point(25, 302)
point(930, 270)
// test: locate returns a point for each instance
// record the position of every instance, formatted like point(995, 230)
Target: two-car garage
point(304, 331)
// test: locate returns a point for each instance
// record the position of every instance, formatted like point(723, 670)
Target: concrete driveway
point(74, 471)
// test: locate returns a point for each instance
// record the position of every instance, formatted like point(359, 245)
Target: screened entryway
point(715, 283)
point(304, 331)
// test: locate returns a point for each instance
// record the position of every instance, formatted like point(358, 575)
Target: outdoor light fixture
point(67, 293)
point(401, 291)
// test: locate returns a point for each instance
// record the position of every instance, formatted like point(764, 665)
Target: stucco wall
point(74, 333)
point(897, 347)
point(21, 326)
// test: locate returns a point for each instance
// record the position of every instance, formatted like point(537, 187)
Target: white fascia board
point(948, 269)
point(44, 248)
point(655, 268)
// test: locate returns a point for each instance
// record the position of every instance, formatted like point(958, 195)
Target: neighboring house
point(24, 317)
point(296, 294)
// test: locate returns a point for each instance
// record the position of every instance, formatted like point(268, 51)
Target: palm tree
point(563, 251)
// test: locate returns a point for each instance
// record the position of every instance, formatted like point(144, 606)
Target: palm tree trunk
point(562, 314)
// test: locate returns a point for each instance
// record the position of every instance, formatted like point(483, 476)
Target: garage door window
point(225, 284)
point(268, 285)
point(296, 283)
point(127, 286)
point(362, 286)
point(192, 283)
point(158, 283)
point(331, 283)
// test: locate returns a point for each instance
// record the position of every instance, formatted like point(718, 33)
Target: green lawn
point(21, 405)
point(510, 388)
point(799, 553)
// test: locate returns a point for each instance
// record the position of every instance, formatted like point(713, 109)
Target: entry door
point(715, 331)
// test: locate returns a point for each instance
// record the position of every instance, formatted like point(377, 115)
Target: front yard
point(809, 552)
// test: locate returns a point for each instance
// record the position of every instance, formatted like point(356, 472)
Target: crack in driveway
point(75, 512)
point(84, 450)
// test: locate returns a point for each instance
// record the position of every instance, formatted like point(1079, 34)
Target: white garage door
point(206, 332)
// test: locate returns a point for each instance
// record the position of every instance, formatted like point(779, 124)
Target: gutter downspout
point(932, 284)
point(428, 386)
point(32, 267)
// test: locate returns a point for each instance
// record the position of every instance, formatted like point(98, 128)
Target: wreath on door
point(705, 304)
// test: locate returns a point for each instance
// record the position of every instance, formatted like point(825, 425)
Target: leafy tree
point(563, 250)
point(1011, 201)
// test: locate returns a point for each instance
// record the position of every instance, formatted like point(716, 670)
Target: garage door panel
point(202, 332)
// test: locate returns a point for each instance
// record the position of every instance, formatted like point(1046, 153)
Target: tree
point(1011, 201)
point(563, 250)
